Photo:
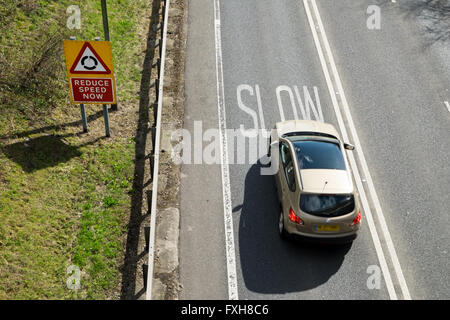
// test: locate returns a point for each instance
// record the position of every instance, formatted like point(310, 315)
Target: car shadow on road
point(269, 264)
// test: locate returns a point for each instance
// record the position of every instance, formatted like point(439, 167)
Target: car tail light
point(357, 219)
point(294, 218)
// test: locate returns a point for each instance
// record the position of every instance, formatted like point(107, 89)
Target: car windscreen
point(317, 154)
point(327, 205)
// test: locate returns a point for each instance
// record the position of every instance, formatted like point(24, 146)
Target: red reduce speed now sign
point(92, 89)
point(90, 72)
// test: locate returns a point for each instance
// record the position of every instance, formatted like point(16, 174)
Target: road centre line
point(447, 105)
point(228, 219)
point(372, 192)
point(367, 211)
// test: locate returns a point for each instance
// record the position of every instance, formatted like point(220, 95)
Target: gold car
point(314, 182)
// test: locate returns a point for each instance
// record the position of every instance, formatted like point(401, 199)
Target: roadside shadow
point(44, 151)
point(58, 127)
point(269, 264)
point(130, 282)
point(41, 152)
point(434, 14)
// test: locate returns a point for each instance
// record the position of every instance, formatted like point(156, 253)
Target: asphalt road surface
point(252, 63)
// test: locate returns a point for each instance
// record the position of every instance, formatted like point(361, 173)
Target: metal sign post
point(83, 118)
point(105, 106)
point(106, 117)
point(105, 20)
point(106, 32)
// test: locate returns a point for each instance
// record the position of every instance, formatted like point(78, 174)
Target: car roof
point(314, 180)
point(326, 181)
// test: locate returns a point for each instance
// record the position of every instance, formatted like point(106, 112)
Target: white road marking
point(447, 105)
point(228, 219)
point(280, 104)
point(260, 110)
point(305, 108)
point(309, 104)
point(362, 194)
point(372, 191)
point(247, 110)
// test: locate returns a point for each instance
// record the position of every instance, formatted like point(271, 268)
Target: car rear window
point(327, 205)
point(319, 155)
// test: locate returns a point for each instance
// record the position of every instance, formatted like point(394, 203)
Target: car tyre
point(281, 230)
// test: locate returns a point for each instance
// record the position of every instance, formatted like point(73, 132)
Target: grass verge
point(65, 197)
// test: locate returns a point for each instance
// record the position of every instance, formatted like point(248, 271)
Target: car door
point(286, 176)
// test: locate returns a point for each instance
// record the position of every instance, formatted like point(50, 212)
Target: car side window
point(288, 165)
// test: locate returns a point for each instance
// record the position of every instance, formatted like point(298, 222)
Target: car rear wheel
point(281, 229)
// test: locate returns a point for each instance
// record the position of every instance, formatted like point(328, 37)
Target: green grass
point(63, 201)
point(78, 219)
point(33, 81)
point(98, 244)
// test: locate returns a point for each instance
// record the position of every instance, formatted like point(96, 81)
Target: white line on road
point(355, 170)
point(363, 162)
point(362, 158)
point(228, 219)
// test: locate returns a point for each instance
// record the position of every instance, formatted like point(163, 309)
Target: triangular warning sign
point(88, 61)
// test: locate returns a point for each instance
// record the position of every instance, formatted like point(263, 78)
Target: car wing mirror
point(349, 146)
